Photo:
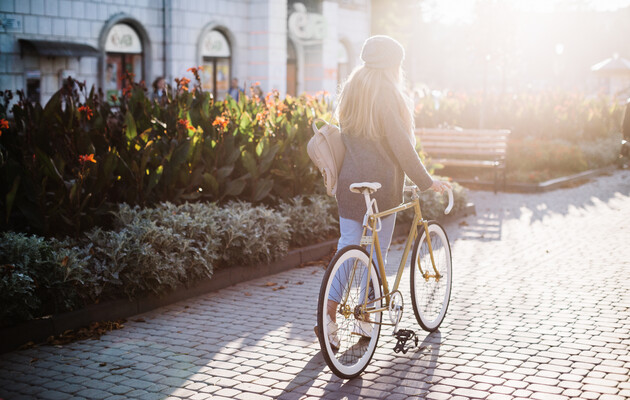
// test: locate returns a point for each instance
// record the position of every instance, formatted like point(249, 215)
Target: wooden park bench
point(469, 148)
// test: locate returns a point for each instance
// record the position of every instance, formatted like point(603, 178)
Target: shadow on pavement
point(305, 378)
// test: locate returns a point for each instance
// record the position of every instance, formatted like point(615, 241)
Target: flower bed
point(117, 198)
point(156, 250)
point(553, 133)
point(65, 166)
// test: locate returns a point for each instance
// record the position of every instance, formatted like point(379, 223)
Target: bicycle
point(365, 296)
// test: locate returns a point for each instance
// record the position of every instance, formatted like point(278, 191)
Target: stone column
point(330, 52)
point(267, 62)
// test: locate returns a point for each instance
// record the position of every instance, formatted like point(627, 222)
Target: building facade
point(291, 46)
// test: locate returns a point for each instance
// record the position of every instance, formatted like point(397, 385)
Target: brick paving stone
point(93, 394)
point(600, 389)
point(548, 396)
point(53, 395)
point(520, 331)
point(471, 393)
point(572, 393)
point(545, 389)
point(522, 393)
point(499, 396)
point(438, 396)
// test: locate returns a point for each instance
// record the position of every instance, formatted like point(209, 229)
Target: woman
point(376, 120)
point(159, 91)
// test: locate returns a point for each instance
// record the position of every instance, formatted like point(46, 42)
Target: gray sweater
point(374, 161)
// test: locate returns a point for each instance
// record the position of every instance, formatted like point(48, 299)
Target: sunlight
point(451, 12)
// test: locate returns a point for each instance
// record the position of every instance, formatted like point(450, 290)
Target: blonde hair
point(369, 98)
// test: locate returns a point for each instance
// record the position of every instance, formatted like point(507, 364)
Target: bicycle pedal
point(403, 336)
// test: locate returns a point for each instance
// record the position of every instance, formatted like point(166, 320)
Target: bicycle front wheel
point(431, 291)
point(348, 340)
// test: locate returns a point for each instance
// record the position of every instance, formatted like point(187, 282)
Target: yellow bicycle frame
point(373, 241)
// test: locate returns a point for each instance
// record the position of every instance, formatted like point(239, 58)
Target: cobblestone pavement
point(540, 310)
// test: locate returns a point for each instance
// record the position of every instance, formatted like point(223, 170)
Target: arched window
point(124, 58)
point(217, 59)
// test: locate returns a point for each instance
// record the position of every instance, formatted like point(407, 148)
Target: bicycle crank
point(395, 308)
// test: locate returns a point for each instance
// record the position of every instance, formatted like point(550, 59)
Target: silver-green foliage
point(433, 204)
point(312, 218)
point(602, 152)
point(252, 234)
point(154, 250)
point(38, 277)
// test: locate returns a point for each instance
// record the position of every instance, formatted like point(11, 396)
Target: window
point(217, 59)
point(33, 86)
point(124, 58)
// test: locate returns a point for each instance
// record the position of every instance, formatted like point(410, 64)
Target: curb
point(541, 187)
point(38, 330)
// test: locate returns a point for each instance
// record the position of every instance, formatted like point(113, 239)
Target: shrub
point(433, 204)
point(252, 234)
point(311, 218)
point(38, 277)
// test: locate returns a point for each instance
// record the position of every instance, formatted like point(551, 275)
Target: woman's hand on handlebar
point(440, 186)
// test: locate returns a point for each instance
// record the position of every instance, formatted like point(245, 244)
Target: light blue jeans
point(351, 234)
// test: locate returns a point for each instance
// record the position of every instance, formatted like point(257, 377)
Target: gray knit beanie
point(381, 52)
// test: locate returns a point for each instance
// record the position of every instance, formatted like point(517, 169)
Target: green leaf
point(224, 172)
point(268, 157)
point(130, 126)
point(249, 162)
point(263, 187)
point(49, 166)
point(210, 182)
point(10, 197)
point(180, 154)
point(235, 187)
point(245, 123)
point(154, 177)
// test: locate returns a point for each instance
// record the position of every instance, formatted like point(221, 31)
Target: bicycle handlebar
point(451, 202)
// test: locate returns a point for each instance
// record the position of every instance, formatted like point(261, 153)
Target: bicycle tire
point(355, 352)
point(430, 297)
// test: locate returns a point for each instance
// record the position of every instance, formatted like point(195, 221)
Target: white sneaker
point(362, 328)
point(333, 338)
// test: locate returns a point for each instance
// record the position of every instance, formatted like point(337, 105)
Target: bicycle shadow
point(428, 349)
point(305, 379)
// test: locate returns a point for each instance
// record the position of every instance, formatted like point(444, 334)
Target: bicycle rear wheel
point(345, 282)
point(430, 295)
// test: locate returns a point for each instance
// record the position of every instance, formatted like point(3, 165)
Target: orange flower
point(87, 157)
point(260, 116)
point(182, 82)
point(194, 70)
point(184, 123)
point(4, 124)
point(280, 107)
point(87, 110)
point(221, 121)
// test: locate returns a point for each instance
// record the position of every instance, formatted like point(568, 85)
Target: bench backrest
point(483, 144)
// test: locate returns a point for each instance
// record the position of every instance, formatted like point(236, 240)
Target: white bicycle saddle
point(371, 187)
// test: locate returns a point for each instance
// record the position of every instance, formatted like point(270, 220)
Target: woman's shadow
point(425, 355)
